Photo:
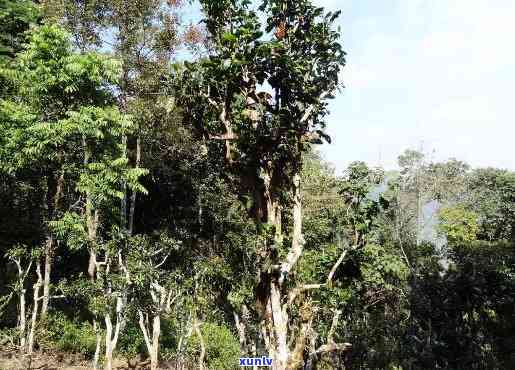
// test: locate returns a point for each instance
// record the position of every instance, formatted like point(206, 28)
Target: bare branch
point(332, 347)
point(312, 107)
point(227, 136)
point(300, 289)
point(334, 325)
point(163, 261)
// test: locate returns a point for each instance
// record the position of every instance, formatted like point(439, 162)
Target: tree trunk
point(133, 195)
point(96, 356)
point(35, 309)
point(109, 344)
point(240, 326)
point(196, 327)
point(152, 344)
point(112, 333)
point(297, 240)
point(279, 320)
point(21, 312)
point(156, 332)
point(22, 319)
point(123, 202)
point(48, 270)
point(49, 246)
point(280, 327)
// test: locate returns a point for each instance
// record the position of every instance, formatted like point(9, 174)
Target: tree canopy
point(173, 212)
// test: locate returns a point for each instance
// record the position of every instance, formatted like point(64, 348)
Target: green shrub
point(222, 347)
point(69, 336)
point(131, 342)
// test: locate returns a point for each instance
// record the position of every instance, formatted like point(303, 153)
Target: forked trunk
point(22, 313)
point(152, 344)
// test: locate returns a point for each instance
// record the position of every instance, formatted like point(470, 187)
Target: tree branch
point(312, 107)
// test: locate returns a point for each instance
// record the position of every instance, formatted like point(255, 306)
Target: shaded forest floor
point(10, 359)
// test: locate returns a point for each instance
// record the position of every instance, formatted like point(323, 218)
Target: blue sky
point(436, 75)
point(431, 74)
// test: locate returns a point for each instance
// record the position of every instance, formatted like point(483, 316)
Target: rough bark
point(280, 327)
point(275, 328)
point(156, 332)
point(297, 243)
point(296, 358)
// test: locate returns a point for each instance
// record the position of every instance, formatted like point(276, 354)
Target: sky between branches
point(435, 75)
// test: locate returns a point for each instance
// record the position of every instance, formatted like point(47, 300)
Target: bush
point(222, 347)
point(69, 336)
point(131, 342)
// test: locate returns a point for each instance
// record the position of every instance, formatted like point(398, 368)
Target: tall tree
point(50, 82)
point(263, 134)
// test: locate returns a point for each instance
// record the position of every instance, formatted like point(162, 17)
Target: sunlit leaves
point(458, 225)
point(71, 228)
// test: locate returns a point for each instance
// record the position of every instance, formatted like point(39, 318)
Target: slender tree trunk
point(48, 270)
point(133, 195)
point(22, 313)
point(22, 319)
point(196, 327)
point(240, 326)
point(49, 246)
point(96, 356)
point(112, 333)
point(35, 308)
point(92, 219)
point(108, 343)
point(123, 202)
point(151, 343)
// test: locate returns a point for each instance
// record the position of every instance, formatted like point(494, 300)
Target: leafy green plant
point(458, 224)
point(222, 347)
point(68, 335)
point(131, 342)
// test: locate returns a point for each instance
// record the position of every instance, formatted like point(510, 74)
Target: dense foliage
point(179, 211)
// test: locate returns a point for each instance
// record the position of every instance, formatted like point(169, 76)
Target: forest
point(164, 203)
